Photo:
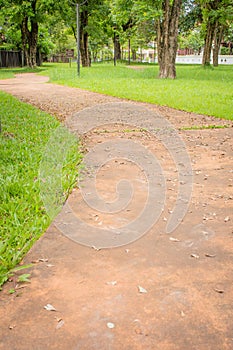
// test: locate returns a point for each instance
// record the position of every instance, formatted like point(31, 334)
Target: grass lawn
point(23, 218)
point(205, 91)
point(7, 73)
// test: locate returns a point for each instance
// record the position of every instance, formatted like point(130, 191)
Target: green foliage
point(225, 51)
point(192, 40)
point(24, 278)
point(45, 43)
point(195, 90)
point(23, 218)
point(191, 16)
point(135, 19)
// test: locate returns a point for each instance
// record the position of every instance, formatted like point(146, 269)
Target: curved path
point(164, 291)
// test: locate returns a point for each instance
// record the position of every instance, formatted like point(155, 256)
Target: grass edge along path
point(23, 219)
point(198, 90)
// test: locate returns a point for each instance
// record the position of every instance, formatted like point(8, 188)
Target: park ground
point(186, 276)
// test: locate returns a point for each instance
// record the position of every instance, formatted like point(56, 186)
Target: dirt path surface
point(156, 290)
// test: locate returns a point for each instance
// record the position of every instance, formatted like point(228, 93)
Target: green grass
point(205, 91)
point(23, 218)
point(203, 127)
point(7, 73)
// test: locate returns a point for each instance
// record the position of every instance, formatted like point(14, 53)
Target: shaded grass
point(205, 91)
point(23, 218)
point(8, 73)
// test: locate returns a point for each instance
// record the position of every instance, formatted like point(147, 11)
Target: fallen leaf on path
point(219, 290)
point(110, 325)
point(49, 307)
point(21, 286)
point(174, 239)
point(96, 248)
point(196, 256)
point(210, 255)
point(12, 326)
point(39, 260)
point(60, 324)
point(142, 290)
point(112, 283)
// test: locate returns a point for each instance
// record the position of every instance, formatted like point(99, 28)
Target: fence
point(59, 58)
point(10, 59)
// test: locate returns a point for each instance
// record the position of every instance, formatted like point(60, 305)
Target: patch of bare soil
point(136, 67)
point(163, 291)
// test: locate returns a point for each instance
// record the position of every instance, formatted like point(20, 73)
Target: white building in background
point(147, 55)
point(197, 59)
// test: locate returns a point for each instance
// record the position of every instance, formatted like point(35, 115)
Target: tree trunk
point(29, 41)
point(134, 54)
point(84, 50)
point(208, 43)
point(85, 57)
point(117, 47)
point(218, 35)
point(167, 38)
point(24, 30)
point(32, 40)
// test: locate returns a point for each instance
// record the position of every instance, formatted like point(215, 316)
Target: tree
point(217, 15)
point(168, 38)
point(122, 20)
point(87, 10)
point(218, 36)
point(26, 15)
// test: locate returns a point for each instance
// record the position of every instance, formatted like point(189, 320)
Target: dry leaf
point(60, 324)
point(110, 325)
point(112, 283)
point(210, 255)
point(196, 256)
point(219, 290)
point(21, 286)
point(39, 260)
point(96, 248)
point(174, 239)
point(49, 307)
point(12, 326)
point(142, 290)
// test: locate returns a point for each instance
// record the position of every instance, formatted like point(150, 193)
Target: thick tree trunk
point(167, 38)
point(29, 41)
point(85, 57)
point(218, 35)
point(84, 50)
point(208, 43)
point(32, 40)
point(117, 47)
